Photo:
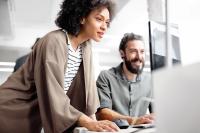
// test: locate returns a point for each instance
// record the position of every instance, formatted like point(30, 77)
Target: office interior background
point(22, 21)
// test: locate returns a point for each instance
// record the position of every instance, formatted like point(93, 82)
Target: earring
point(83, 21)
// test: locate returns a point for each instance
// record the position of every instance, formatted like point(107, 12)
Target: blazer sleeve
point(57, 114)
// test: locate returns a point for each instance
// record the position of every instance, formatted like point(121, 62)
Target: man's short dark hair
point(129, 37)
point(73, 11)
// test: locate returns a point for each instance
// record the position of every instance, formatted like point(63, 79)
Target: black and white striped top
point(73, 63)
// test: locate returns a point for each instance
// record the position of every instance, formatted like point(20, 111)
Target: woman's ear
point(83, 21)
point(122, 54)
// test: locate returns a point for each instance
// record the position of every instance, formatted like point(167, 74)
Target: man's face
point(134, 56)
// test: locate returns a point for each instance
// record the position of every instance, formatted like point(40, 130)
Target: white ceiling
point(31, 13)
point(26, 20)
point(34, 18)
point(42, 11)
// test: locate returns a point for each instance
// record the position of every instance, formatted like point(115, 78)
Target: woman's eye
point(98, 19)
point(108, 24)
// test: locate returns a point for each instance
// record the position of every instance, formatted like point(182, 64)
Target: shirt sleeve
point(57, 114)
point(104, 90)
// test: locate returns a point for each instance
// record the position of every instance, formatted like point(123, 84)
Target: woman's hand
point(99, 126)
point(102, 126)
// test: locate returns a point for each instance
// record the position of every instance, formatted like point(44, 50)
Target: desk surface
point(128, 130)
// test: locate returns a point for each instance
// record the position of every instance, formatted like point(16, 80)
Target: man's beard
point(134, 69)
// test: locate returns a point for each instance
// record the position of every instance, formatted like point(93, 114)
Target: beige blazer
point(33, 96)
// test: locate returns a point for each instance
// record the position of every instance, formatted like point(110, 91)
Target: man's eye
point(133, 51)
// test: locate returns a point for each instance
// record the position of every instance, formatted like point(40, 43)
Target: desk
point(128, 130)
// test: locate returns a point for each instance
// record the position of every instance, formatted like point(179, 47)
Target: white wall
point(185, 13)
point(188, 18)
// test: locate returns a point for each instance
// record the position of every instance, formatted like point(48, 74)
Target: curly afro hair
point(73, 11)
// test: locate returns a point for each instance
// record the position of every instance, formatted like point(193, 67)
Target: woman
point(55, 88)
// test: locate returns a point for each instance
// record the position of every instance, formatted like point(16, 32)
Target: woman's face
point(96, 23)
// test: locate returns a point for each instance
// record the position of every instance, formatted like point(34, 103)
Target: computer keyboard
point(150, 125)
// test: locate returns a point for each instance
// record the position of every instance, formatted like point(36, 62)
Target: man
point(121, 88)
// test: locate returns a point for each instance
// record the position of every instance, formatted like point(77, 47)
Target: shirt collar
point(68, 40)
point(70, 44)
point(119, 71)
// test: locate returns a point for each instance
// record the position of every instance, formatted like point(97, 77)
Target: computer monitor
point(177, 99)
point(157, 46)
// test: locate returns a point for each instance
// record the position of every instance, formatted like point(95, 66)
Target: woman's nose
point(104, 26)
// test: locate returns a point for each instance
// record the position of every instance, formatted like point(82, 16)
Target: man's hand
point(142, 119)
point(99, 126)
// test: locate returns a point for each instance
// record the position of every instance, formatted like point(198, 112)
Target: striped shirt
point(73, 62)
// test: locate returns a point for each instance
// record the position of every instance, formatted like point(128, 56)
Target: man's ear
point(122, 54)
point(83, 21)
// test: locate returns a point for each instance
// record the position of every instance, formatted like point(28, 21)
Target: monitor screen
point(157, 45)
